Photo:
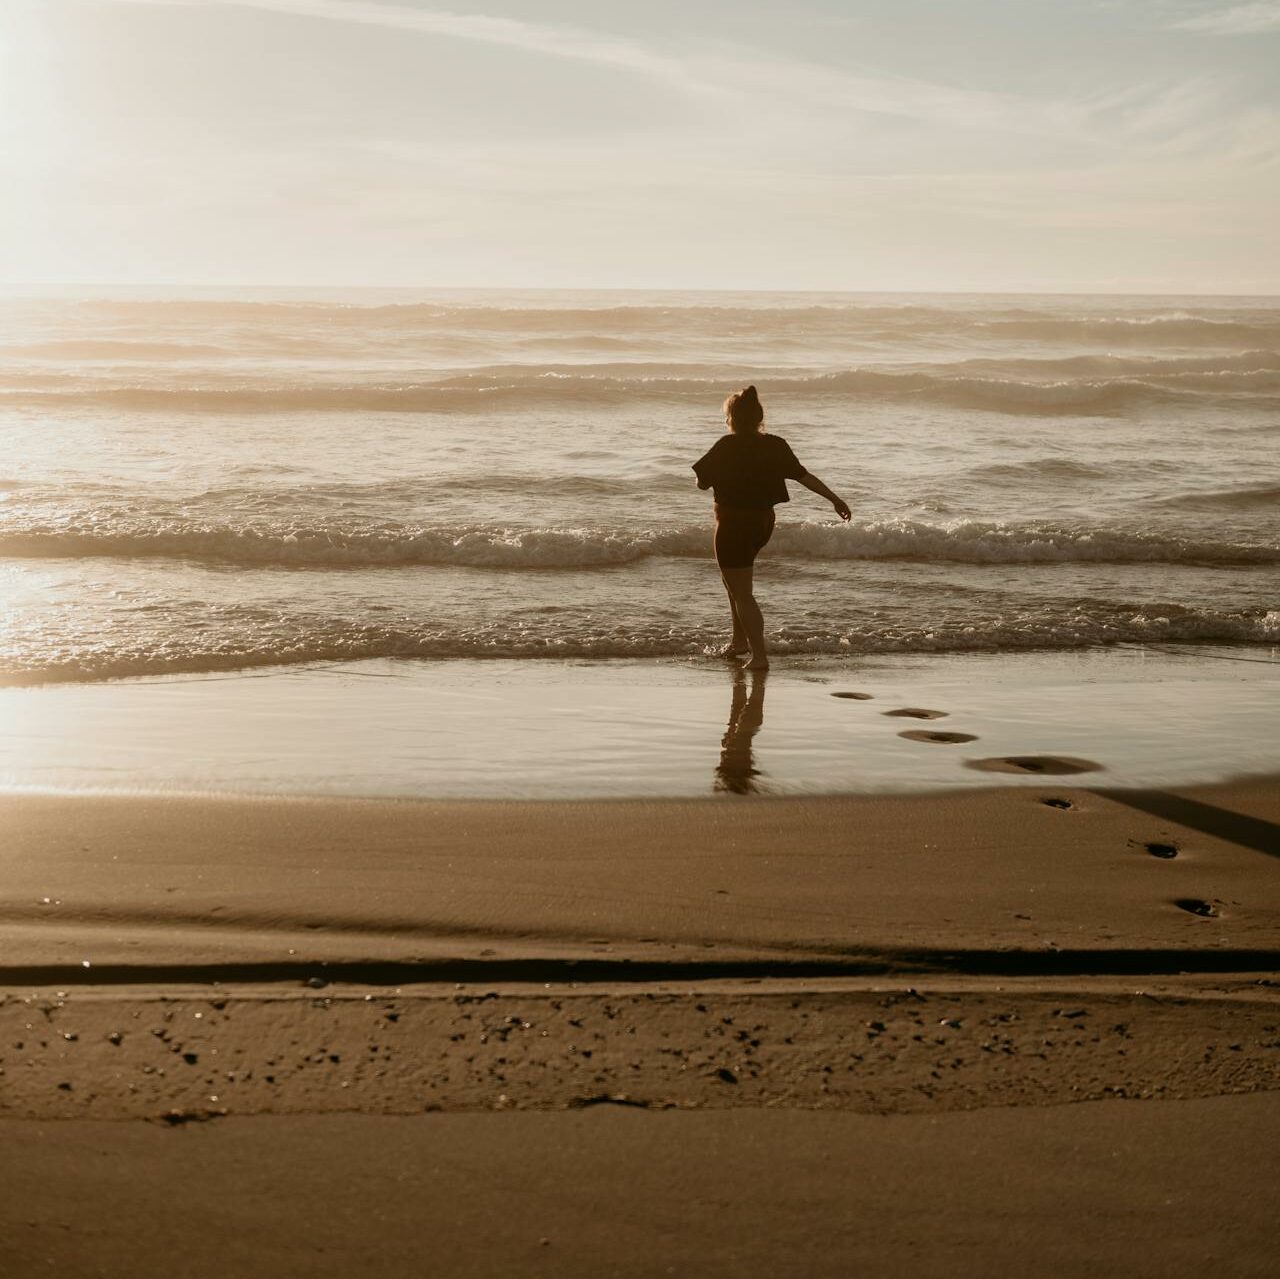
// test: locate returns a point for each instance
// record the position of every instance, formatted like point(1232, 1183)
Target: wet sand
point(624, 1014)
point(1051, 879)
point(557, 729)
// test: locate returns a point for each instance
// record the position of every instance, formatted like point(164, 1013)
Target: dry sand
point(1139, 1190)
point(936, 975)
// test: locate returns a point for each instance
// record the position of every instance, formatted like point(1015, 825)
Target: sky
point(922, 145)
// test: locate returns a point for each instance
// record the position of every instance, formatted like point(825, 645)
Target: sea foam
point(487, 546)
point(284, 638)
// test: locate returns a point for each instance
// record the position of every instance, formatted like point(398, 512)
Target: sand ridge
point(884, 1048)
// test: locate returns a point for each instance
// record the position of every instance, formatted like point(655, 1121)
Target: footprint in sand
point(1164, 851)
point(1056, 802)
point(1034, 764)
point(1194, 906)
point(923, 735)
point(855, 697)
point(916, 712)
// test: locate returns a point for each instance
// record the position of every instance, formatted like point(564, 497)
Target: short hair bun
point(743, 410)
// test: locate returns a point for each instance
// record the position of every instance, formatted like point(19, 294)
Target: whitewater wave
point(1064, 367)
point(303, 545)
point(520, 389)
point(296, 640)
point(741, 310)
point(1173, 329)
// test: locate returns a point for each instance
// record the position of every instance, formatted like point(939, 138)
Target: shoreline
point(564, 729)
point(218, 999)
point(859, 1018)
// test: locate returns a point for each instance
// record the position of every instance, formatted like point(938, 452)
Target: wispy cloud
point(810, 109)
point(553, 39)
point(1238, 20)
point(725, 74)
point(539, 143)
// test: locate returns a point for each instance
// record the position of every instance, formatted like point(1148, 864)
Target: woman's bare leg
point(738, 582)
point(738, 646)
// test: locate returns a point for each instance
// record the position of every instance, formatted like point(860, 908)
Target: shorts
point(741, 534)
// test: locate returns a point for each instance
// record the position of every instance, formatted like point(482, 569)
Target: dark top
point(749, 470)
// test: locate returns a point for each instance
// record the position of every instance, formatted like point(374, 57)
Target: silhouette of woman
point(747, 471)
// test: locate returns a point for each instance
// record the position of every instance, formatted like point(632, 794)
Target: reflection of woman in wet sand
point(747, 471)
point(737, 770)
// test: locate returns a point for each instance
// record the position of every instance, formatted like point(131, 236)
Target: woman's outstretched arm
point(815, 485)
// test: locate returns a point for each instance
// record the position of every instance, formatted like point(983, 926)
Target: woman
point(747, 471)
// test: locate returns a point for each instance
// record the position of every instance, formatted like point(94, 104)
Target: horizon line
point(13, 289)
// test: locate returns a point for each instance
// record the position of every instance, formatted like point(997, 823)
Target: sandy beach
point(391, 873)
point(862, 994)
point(1118, 1188)
point(639, 640)
point(1001, 880)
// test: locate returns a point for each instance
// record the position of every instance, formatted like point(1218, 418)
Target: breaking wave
point(1244, 324)
point(304, 545)
point(564, 386)
point(293, 640)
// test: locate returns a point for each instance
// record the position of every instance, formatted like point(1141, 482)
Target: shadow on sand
point(1236, 828)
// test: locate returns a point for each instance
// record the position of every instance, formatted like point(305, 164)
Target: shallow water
point(589, 729)
point(225, 483)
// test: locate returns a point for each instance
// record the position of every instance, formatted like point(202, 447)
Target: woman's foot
point(734, 649)
point(760, 663)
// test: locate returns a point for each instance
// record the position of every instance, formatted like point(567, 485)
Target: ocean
point(220, 483)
